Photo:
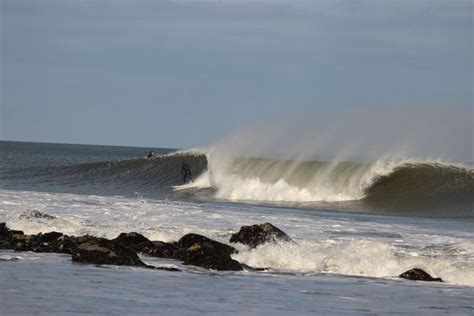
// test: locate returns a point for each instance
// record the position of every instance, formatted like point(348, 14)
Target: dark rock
point(190, 239)
point(419, 275)
point(159, 249)
point(164, 250)
point(17, 240)
point(49, 237)
point(29, 214)
point(8, 237)
point(22, 242)
point(5, 244)
point(259, 234)
point(134, 241)
point(3, 230)
point(16, 232)
point(5, 237)
point(207, 253)
point(64, 244)
point(104, 251)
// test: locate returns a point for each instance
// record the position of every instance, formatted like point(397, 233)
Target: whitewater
point(356, 225)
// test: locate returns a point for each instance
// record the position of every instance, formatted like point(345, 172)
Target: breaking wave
point(381, 185)
point(367, 186)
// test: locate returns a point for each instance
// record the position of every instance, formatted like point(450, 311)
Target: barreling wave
point(424, 186)
point(367, 186)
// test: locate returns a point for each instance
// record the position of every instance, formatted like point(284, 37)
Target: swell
point(152, 176)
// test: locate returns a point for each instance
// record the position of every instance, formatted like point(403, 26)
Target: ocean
point(356, 226)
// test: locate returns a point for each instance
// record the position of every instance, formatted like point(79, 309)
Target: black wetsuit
point(186, 173)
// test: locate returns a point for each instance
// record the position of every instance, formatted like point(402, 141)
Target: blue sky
point(187, 73)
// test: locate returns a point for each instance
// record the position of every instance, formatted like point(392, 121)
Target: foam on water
point(349, 245)
point(358, 257)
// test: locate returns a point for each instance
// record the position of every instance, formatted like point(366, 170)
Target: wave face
point(394, 187)
point(152, 177)
point(417, 184)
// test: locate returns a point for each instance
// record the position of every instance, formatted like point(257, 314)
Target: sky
point(180, 74)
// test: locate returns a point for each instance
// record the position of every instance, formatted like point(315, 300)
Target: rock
point(9, 237)
point(37, 243)
point(49, 237)
point(104, 251)
point(3, 230)
point(159, 249)
point(418, 275)
point(164, 250)
point(189, 239)
point(30, 243)
point(207, 253)
point(15, 232)
point(5, 244)
point(134, 241)
point(4, 237)
point(64, 244)
point(29, 214)
point(259, 234)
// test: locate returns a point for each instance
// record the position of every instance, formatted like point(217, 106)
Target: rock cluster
point(191, 249)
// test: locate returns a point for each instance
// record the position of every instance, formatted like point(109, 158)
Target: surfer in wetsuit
point(186, 173)
point(151, 154)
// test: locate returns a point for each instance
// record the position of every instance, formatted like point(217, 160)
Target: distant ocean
point(357, 226)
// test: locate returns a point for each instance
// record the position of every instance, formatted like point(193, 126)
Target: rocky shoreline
point(191, 249)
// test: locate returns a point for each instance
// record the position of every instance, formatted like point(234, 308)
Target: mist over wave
point(369, 161)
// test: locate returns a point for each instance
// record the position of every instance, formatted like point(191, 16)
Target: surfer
point(151, 154)
point(186, 173)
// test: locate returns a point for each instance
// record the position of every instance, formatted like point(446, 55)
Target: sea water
point(345, 260)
